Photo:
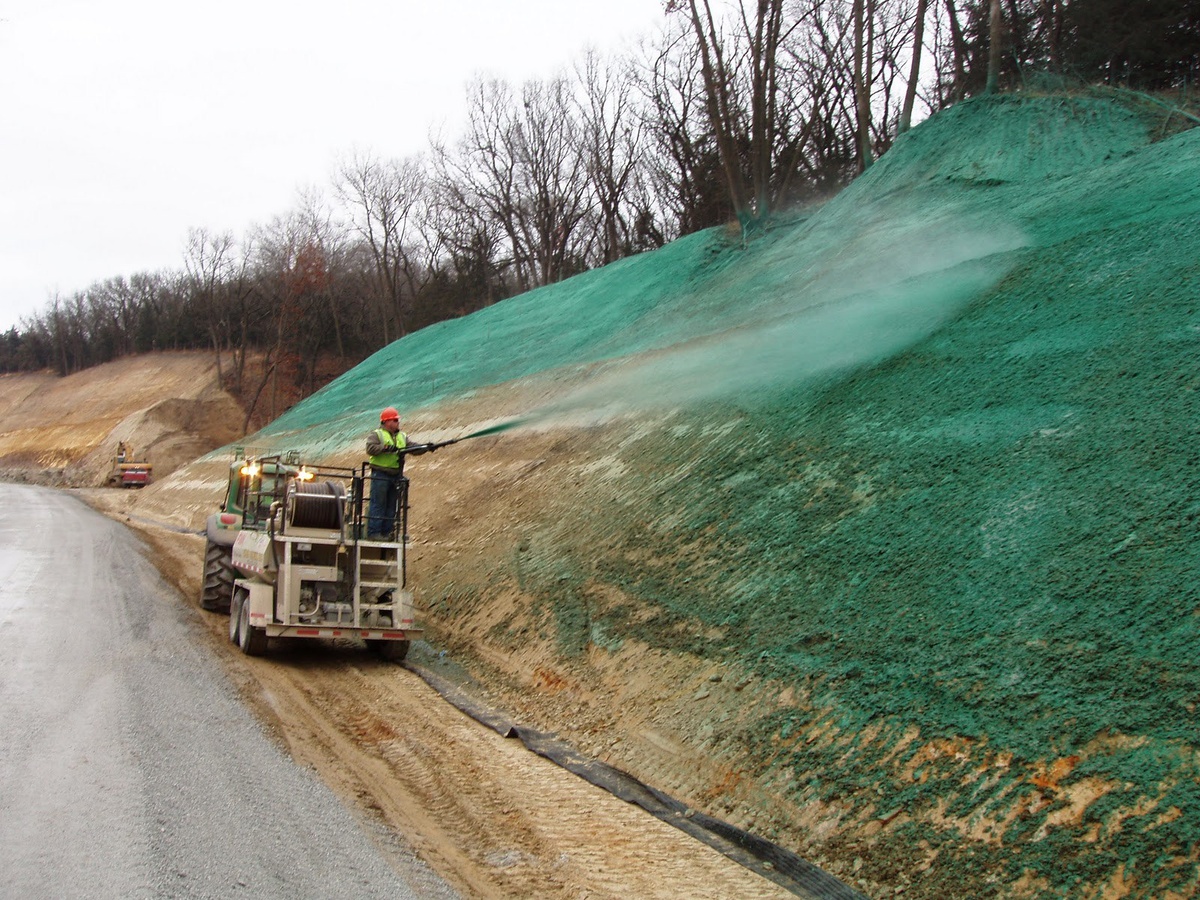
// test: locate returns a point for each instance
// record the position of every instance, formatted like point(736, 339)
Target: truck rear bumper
point(335, 631)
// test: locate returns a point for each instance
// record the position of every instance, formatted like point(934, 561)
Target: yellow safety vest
point(389, 459)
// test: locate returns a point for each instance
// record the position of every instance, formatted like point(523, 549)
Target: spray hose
point(491, 429)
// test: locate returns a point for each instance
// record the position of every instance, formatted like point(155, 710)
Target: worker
point(387, 446)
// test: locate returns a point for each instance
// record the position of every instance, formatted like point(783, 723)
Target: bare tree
point(383, 198)
point(863, 54)
point(821, 116)
point(724, 114)
point(521, 161)
point(853, 68)
point(681, 166)
point(324, 257)
point(993, 67)
point(207, 260)
point(787, 84)
point(553, 188)
point(753, 120)
point(764, 35)
point(914, 72)
point(952, 82)
point(612, 136)
point(897, 37)
point(471, 239)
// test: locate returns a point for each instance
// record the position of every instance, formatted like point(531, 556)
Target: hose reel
point(316, 505)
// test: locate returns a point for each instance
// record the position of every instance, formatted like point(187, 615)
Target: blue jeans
point(385, 494)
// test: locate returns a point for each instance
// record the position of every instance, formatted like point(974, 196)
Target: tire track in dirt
point(494, 819)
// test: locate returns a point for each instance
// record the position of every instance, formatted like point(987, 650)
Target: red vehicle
point(135, 474)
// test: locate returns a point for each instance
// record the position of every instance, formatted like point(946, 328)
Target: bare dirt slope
point(166, 407)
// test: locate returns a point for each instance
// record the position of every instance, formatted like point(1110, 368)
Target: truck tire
point(218, 577)
point(235, 615)
point(253, 641)
point(390, 651)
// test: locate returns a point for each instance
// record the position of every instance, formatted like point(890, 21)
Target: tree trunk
point(993, 69)
point(268, 372)
point(764, 110)
point(914, 72)
point(337, 325)
point(217, 351)
point(862, 91)
point(716, 84)
point(960, 52)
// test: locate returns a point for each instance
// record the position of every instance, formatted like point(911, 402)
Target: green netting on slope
point(1003, 517)
point(1007, 139)
point(1012, 454)
point(834, 293)
point(992, 536)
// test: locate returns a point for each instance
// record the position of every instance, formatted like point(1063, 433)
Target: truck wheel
point(218, 577)
point(235, 615)
point(253, 641)
point(391, 651)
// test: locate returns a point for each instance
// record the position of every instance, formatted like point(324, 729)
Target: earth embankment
point(870, 532)
point(166, 408)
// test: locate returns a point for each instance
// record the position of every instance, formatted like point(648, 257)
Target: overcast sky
point(127, 122)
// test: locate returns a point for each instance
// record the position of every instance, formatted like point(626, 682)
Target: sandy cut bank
point(166, 408)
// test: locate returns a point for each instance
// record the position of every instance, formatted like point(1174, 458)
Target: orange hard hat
point(389, 414)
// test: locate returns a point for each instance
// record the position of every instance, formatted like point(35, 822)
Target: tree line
point(734, 110)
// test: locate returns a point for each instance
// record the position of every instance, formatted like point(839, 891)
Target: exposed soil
point(492, 818)
point(165, 407)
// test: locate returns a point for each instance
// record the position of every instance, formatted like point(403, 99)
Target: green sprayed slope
point(962, 481)
point(1011, 500)
point(989, 535)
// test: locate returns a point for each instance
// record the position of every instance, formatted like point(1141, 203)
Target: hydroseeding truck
point(287, 556)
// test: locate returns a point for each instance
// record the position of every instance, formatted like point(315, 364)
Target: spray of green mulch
point(495, 429)
point(932, 457)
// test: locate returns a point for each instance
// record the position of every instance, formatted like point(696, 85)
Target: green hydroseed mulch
point(933, 455)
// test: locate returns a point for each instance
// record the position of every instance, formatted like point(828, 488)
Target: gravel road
point(128, 765)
